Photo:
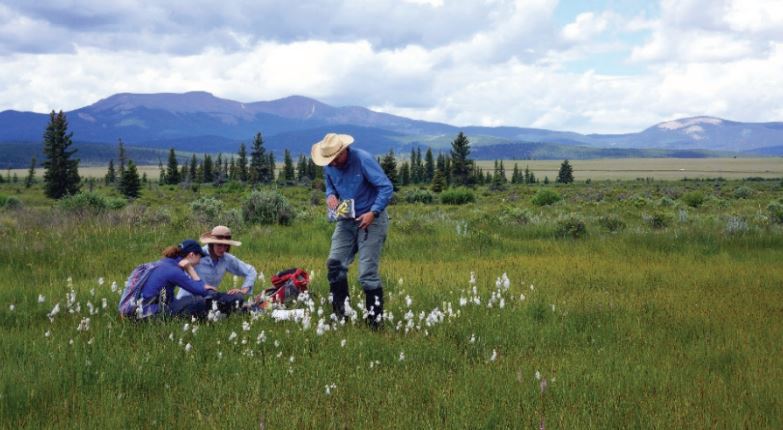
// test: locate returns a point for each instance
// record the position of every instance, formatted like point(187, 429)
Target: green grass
point(677, 327)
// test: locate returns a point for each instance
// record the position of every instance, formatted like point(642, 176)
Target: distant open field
point(622, 168)
point(658, 168)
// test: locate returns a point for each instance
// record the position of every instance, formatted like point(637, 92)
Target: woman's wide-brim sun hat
point(329, 147)
point(220, 235)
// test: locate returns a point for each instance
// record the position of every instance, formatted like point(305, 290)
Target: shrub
point(657, 220)
point(84, 202)
point(457, 196)
point(116, 202)
point(516, 216)
point(693, 199)
point(267, 207)
point(665, 202)
point(545, 197)
point(419, 196)
point(571, 226)
point(9, 202)
point(735, 225)
point(611, 223)
point(743, 192)
point(206, 209)
point(775, 212)
point(640, 201)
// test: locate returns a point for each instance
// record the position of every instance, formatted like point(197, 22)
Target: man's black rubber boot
point(373, 302)
point(338, 286)
point(339, 292)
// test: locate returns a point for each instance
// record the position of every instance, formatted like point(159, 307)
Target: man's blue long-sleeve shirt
point(361, 179)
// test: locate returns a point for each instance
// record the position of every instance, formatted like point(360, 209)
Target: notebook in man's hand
point(344, 210)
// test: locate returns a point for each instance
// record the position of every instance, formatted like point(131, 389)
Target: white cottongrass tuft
point(342, 343)
point(494, 355)
point(41, 298)
point(472, 278)
point(48, 333)
point(245, 326)
point(84, 325)
point(11, 307)
point(328, 388)
point(402, 356)
point(538, 375)
point(408, 301)
point(188, 347)
point(232, 336)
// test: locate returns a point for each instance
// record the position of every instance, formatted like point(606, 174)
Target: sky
point(601, 66)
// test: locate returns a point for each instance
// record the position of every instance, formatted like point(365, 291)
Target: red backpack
point(287, 285)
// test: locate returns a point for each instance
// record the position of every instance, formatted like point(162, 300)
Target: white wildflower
point(48, 333)
point(472, 278)
point(91, 341)
point(232, 336)
point(186, 327)
point(342, 343)
point(41, 298)
point(291, 359)
point(408, 301)
point(522, 297)
point(402, 356)
point(472, 338)
point(538, 375)
point(104, 303)
point(11, 307)
point(114, 286)
point(100, 281)
point(261, 337)
point(553, 307)
point(329, 388)
point(245, 326)
point(188, 347)
point(84, 325)
point(494, 355)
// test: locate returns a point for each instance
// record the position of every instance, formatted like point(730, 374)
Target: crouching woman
point(176, 269)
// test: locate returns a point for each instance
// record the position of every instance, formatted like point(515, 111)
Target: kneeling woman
point(176, 269)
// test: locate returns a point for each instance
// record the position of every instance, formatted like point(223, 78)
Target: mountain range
point(199, 122)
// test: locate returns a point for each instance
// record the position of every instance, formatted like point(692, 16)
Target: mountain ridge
point(198, 121)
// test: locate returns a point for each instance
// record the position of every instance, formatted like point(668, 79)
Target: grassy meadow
point(625, 304)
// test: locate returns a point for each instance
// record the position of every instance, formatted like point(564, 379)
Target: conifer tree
point(301, 168)
point(258, 170)
point(162, 174)
point(121, 158)
point(429, 166)
point(270, 166)
point(566, 173)
point(242, 170)
point(405, 174)
point(515, 179)
point(288, 167)
point(130, 185)
point(461, 164)
point(438, 181)
point(172, 171)
point(111, 174)
point(208, 171)
point(389, 166)
point(61, 177)
point(28, 182)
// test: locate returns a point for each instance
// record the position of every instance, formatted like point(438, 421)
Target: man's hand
point(184, 263)
point(332, 202)
point(210, 288)
point(365, 220)
point(242, 291)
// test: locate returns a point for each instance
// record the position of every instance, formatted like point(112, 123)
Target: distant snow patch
point(690, 122)
point(86, 117)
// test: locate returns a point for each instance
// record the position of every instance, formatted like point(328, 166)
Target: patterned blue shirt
point(167, 276)
point(361, 179)
point(212, 272)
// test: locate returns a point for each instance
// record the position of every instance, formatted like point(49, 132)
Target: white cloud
point(586, 26)
point(466, 63)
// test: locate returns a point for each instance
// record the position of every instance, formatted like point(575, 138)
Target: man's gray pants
point(348, 240)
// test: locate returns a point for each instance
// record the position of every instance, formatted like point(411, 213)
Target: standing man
point(218, 261)
point(352, 173)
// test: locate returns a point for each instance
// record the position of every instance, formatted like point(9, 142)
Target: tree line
point(453, 168)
